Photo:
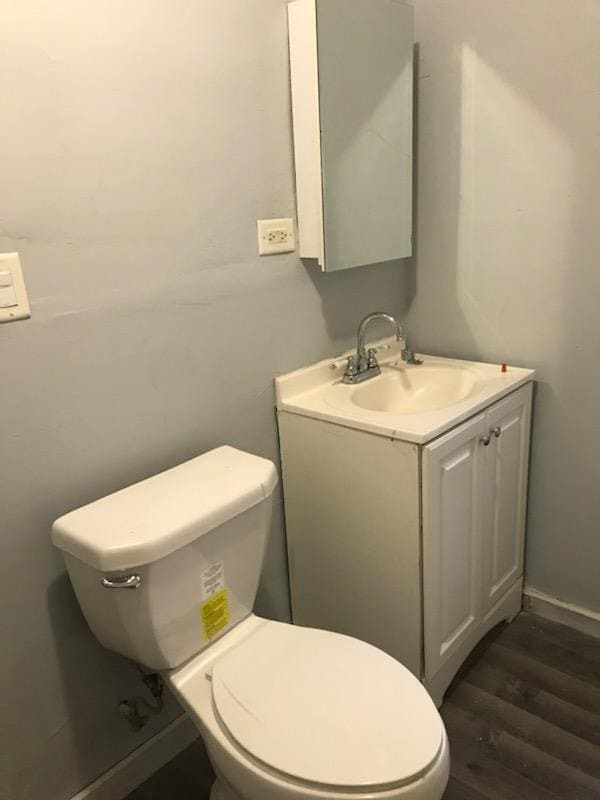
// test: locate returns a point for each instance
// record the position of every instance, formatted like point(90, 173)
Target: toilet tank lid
point(155, 517)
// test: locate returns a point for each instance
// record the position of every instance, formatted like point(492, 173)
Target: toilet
point(166, 572)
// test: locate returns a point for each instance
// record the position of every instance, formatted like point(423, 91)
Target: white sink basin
point(415, 403)
point(413, 389)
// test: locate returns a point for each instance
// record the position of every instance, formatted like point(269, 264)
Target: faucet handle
point(351, 369)
point(409, 357)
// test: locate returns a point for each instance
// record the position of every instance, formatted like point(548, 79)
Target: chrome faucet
point(364, 364)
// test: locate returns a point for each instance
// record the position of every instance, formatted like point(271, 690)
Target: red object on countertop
point(504, 368)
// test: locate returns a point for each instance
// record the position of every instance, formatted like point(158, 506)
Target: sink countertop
point(317, 391)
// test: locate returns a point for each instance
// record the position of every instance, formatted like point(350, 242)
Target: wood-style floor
point(523, 719)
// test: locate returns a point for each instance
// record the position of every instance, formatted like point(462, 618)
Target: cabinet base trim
point(577, 617)
point(505, 610)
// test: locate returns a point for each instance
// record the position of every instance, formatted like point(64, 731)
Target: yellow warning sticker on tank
point(215, 614)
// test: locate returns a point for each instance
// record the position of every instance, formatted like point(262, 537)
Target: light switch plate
point(275, 236)
point(10, 262)
point(8, 296)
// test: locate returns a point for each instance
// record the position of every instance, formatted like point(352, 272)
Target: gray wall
point(139, 143)
point(509, 236)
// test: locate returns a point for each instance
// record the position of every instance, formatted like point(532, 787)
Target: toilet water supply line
point(131, 709)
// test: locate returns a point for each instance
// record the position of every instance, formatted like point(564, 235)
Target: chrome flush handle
point(126, 582)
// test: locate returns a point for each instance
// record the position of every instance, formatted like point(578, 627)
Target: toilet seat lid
point(326, 708)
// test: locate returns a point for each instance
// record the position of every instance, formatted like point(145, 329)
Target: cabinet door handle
point(485, 440)
point(497, 431)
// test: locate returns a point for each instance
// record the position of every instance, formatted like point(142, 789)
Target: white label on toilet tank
point(213, 580)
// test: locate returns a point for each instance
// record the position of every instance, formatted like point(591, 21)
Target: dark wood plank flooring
point(523, 719)
point(189, 776)
point(523, 716)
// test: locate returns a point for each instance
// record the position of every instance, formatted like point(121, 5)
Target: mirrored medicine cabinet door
point(352, 101)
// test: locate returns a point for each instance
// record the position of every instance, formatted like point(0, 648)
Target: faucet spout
point(364, 364)
point(361, 351)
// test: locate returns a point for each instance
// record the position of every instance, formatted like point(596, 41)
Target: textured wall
point(139, 143)
point(508, 240)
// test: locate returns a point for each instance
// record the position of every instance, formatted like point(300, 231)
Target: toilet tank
point(167, 566)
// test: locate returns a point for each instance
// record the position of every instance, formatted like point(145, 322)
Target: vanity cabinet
point(416, 548)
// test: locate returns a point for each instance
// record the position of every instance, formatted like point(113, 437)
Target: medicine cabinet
point(352, 104)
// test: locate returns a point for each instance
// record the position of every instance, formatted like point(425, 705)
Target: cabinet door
point(505, 494)
point(452, 509)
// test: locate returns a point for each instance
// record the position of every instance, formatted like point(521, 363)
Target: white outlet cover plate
point(11, 262)
point(275, 236)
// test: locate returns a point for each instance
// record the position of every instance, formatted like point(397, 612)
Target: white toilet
point(166, 572)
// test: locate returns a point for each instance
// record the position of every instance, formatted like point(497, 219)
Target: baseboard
point(582, 619)
point(135, 768)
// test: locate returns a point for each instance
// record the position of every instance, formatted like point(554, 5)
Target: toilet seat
point(326, 709)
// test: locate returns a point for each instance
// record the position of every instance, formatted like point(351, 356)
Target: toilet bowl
point(319, 715)
point(166, 572)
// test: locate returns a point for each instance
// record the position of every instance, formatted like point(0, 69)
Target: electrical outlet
point(275, 236)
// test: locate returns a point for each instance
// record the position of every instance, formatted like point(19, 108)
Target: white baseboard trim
point(143, 762)
point(582, 619)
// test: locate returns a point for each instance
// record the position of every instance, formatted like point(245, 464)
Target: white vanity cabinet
point(414, 547)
